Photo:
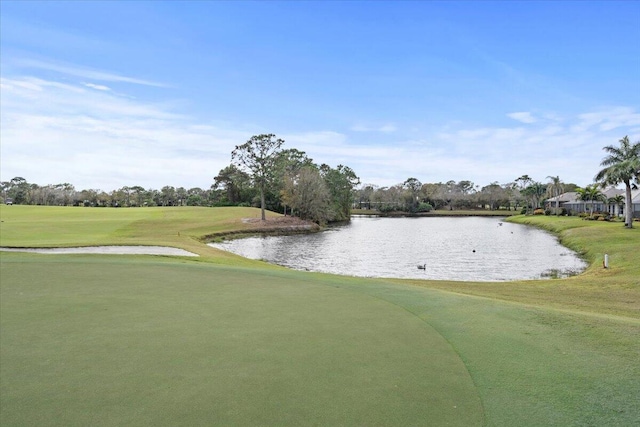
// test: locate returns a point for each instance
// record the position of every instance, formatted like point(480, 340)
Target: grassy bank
point(143, 340)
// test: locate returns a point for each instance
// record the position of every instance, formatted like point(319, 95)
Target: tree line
point(413, 196)
point(263, 173)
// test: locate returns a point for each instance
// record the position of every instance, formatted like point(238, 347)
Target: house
point(573, 205)
point(635, 203)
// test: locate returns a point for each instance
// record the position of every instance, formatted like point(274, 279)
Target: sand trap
point(113, 250)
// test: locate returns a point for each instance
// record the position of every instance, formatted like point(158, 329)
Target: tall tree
point(306, 192)
point(555, 188)
point(535, 194)
point(413, 187)
point(341, 182)
point(288, 164)
point(622, 164)
point(491, 195)
point(258, 155)
point(235, 184)
point(522, 183)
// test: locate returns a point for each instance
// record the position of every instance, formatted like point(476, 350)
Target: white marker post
point(606, 261)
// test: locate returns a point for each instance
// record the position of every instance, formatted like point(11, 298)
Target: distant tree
point(534, 193)
point(18, 190)
point(288, 164)
point(570, 187)
point(621, 165)
point(491, 195)
point(167, 196)
point(196, 196)
point(365, 194)
point(591, 193)
point(522, 183)
point(235, 185)
point(341, 183)
point(432, 194)
point(258, 156)
point(555, 188)
point(413, 187)
point(307, 194)
point(138, 193)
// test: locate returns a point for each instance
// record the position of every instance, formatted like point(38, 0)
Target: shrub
point(547, 212)
point(424, 207)
point(538, 211)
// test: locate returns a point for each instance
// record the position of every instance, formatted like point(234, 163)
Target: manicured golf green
point(144, 340)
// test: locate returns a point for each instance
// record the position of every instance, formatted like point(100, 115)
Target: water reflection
point(470, 249)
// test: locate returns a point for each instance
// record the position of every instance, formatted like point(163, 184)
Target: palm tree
point(621, 165)
point(555, 188)
point(590, 193)
point(534, 193)
point(523, 182)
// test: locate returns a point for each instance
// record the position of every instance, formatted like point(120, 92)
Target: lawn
point(143, 340)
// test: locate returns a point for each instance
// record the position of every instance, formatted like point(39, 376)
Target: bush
point(424, 207)
point(547, 212)
point(538, 212)
point(387, 208)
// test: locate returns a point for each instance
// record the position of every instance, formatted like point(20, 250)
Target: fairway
point(218, 340)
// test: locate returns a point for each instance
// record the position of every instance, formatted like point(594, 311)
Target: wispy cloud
point(386, 128)
point(608, 119)
point(53, 132)
point(523, 116)
point(97, 87)
point(86, 73)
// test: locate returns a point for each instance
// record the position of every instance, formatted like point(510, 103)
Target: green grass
point(142, 340)
point(181, 227)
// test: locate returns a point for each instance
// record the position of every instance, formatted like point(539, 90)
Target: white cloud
point(608, 119)
point(55, 132)
point(386, 128)
point(97, 87)
point(523, 116)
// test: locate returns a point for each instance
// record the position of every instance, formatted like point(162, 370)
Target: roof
point(564, 197)
point(572, 196)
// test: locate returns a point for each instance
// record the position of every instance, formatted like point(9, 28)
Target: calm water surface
point(470, 248)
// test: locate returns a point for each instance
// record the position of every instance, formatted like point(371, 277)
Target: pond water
point(445, 248)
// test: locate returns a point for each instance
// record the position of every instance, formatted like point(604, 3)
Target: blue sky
point(108, 94)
